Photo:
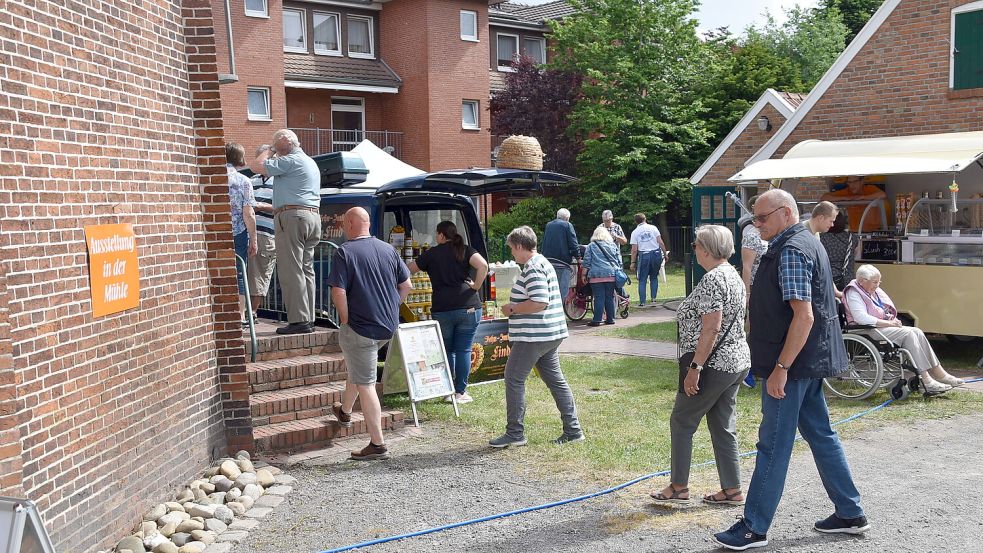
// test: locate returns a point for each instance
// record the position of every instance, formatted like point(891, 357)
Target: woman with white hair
point(867, 304)
point(711, 334)
point(602, 260)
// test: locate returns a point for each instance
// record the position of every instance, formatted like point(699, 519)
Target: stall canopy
point(474, 182)
point(930, 153)
point(383, 168)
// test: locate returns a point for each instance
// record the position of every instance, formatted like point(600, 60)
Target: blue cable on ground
point(578, 498)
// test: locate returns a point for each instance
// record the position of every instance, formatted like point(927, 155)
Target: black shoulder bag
point(687, 358)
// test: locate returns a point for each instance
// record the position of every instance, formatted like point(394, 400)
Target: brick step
point(301, 402)
point(316, 432)
point(291, 372)
point(270, 345)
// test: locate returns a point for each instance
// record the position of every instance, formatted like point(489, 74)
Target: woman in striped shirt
point(537, 326)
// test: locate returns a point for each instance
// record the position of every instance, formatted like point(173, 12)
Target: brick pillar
point(11, 462)
point(217, 221)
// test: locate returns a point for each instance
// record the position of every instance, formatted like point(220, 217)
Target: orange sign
point(114, 275)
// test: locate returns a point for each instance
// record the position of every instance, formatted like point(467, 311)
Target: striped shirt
point(263, 192)
point(537, 282)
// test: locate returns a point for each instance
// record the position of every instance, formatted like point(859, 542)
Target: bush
point(535, 212)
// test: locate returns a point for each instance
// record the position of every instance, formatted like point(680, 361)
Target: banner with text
point(114, 275)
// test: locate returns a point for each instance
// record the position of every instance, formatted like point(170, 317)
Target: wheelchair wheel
point(863, 374)
point(576, 307)
point(624, 312)
point(894, 366)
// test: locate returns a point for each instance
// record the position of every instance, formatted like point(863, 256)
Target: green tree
point(810, 38)
point(855, 13)
point(639, 107)
point(535, 212)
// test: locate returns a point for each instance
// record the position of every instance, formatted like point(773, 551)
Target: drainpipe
point(230, 77)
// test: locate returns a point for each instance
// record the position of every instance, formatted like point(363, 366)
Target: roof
point(343, 70)
point(786, 104)
point(897, 155)
point(826, 82)
point(536, 15)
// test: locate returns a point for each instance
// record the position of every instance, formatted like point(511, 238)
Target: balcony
point(325, 141)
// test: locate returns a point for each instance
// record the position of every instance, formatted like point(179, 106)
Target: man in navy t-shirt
point(368, 282)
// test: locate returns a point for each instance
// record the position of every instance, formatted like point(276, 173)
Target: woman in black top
point(841, 247)
point(456, 306)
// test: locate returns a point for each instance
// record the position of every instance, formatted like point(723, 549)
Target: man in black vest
point(795, 342)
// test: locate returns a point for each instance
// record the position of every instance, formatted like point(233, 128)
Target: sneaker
point(566, 439)
point(464, 398)
point(594, 323)
point(296, 328)
point(740, 537)
point(344, 419)
point(371, 452)
point(749, 380)
point(935, 387)
point(505, 441)
point(836, 525)
point(449, 399)
point(609, 322)
point(951, 381)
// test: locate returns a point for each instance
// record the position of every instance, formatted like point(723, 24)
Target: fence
point(273, 307)
point(324, 141)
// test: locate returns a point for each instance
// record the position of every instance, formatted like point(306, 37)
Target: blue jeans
point(804, 407)
point(563, 275)
point(649, 264)
point(241, 243)
point(603, 300)
point(458, 327)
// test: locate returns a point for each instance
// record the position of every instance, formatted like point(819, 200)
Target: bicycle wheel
point(575, 307)
point(864, 372)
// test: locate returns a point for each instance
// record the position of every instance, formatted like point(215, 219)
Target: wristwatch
point(695, 366)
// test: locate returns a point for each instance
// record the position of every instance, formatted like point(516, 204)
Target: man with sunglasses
point(795, 343)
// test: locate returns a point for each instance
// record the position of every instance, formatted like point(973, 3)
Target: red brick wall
point(303, 105)
point(114, 413)
point(747, 143)
point(898, 84)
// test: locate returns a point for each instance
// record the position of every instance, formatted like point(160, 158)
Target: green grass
point(666, 331)
point(624, 405)
point(673, 288)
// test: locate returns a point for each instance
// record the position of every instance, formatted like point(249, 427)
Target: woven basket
point(520, 152)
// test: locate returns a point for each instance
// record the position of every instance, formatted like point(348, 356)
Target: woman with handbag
point(714, 361)
point(603, 263)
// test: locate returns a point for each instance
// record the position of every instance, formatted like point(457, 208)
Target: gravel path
point(919, 482)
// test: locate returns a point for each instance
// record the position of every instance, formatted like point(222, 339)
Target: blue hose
point(578, 498)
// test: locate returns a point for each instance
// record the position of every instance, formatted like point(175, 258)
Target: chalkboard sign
point(21, 529)
point(418, 349)
point(879, 250)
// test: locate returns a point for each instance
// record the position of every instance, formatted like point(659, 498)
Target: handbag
point(620, 277)
point(687, 358)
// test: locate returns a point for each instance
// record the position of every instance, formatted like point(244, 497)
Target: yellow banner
point(114, 275)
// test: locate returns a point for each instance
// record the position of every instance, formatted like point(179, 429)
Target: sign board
point(490, 350)
point(418, 348)
point(114, 274)
point(21, 529)
point(879, 250)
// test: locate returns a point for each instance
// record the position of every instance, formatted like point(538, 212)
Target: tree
point(811, 38)
point(855, 13)
point(638, 109)
point(537, 102)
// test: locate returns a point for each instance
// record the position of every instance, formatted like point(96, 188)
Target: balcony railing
point(324, 141)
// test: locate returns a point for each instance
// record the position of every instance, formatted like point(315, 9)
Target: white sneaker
point(464, 398)
point(449, 399)
point(935, 387)
point(951, 380)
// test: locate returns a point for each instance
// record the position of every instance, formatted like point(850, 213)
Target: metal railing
point(323, 308)
point(319, 141)
point(241, 265)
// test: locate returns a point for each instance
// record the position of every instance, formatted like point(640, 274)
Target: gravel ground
point(920, 485)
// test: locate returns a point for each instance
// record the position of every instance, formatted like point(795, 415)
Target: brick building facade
point(113, 116)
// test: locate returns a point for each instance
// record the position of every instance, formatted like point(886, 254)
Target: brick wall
point(898, 84)
point(747, 143)
point(107, 115)
point(308, 109)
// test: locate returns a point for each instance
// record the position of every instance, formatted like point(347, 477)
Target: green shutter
point(968, 56)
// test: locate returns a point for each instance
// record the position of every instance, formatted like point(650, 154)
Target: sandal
point(672, 498)
point(729, 498)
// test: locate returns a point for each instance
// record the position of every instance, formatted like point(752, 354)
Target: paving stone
point(284, 479)
point(279, 490)
point(219, 548)
point(258, 512)
point(243, 524)
point(233, 537)
point(269, 501)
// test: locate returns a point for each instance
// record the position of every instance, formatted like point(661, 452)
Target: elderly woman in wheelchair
point(868, 305)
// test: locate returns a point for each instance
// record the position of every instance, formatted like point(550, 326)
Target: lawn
point(659, 332)
point(673, 288)
point(624, 405)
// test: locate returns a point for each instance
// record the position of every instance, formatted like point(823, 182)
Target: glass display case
point(937, 234)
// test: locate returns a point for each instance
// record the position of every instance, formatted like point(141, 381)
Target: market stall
point(930, 253)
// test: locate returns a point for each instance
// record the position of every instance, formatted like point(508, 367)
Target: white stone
point(215, 525)
point(171, 518)
point(208, 487)
point(243, 454)
point(147, 527)
point(230, 469)
point(224, 514)
point(168, 529)
point(212, 471)
point(217, 497)
point(237, 508)
point(203, 536)
point(155, 513)
point(192, 547)
point(222, 484)
point(247, 502)
point(245, 465)
point(245, 479)
point(275, 471)
point(252, 490)
point(190, 526)
point(174, 506)
point(181, 538)
point(166, 547)
point(185, 496)
point(265, 478)
point(233, 494)
point(204, 511)
point(153, 540)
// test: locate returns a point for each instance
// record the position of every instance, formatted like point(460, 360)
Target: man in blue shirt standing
point(560, 243)
point(297, 222)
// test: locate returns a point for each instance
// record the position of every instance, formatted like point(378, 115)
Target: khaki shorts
point(361, 355)
point(259, 268)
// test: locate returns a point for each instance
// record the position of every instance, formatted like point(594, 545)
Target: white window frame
point(518, 50)
point(359, 109)
point(337, 27)
point(303, 30)
point(265, 14)
point(269, 108)
point(477, 115)
point(470, 37)
point(975, 6)
point(542, 45)
point(348, 45)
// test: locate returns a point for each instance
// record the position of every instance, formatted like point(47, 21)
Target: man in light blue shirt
point(297, 225)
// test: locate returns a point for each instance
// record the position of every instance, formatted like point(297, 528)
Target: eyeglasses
point(760, 219)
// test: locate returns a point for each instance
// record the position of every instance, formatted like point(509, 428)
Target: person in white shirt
point(647, 254)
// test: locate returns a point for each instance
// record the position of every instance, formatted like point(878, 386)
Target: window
point(508, 47)
point(469, 25)
point(326, 32)
point(360, 36)
point(294, 31)
point(535, 48)
point(257, 8)
point(967, 47)
point(258, 102)
point(347, 122)
point(469, 115)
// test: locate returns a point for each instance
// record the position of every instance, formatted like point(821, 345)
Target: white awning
point(930, 153)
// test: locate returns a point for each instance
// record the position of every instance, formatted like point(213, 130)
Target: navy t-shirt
point(447, 276)
point(369, 270)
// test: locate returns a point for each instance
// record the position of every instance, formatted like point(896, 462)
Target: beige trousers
point(297, 233)
point(913, 340)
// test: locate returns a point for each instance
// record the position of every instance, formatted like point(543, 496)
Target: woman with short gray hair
point(711, 330)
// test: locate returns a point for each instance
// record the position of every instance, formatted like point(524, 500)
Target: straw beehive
point(520, 152)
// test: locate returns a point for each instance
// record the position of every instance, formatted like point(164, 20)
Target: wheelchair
point(874, 363)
